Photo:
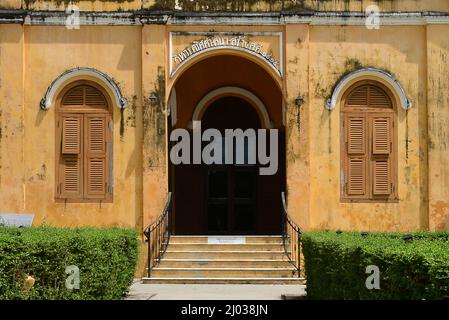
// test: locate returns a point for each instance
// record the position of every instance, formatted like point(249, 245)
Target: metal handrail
point(158, 235)
point(291, 237)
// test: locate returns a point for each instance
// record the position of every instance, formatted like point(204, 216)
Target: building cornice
point(220, 18)
point(359, 18)
point(12, 16)
point(85, 18)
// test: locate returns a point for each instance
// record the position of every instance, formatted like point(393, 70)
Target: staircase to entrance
point(249, 260)
point(269, 259)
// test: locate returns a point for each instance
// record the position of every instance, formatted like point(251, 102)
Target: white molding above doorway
point(258, 54)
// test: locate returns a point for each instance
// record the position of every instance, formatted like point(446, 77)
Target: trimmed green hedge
point(335, 265)
point(106, 259)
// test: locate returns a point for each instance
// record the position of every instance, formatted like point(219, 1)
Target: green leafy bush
point(106, 259)
point(335, 265)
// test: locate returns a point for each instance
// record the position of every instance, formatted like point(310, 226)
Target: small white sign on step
point(226, 240)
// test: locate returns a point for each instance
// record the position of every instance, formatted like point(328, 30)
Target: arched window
point(368, 148)
point(84, 143)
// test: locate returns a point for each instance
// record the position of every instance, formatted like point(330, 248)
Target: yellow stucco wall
point(28, 148)
point(315, 57)
point(155, 181)
point(298, 139)
point(10, 4)
point(11, 118)
point(438, 116)
point(334, 51)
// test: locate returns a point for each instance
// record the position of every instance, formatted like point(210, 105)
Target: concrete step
point(175, 246)
point(160, 272)
point(225, 259)
point(224, 263)
point(218, 254)
point(224, 239)
point(235, 280)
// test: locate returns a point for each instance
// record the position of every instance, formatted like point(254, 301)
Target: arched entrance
point(228, 92)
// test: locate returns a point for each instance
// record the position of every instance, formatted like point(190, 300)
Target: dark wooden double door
point(231, 199)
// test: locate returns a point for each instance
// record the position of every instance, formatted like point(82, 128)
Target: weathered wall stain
point(352, 64)
point(28, 3)
point(407, 140)
point(154, 114)
point(122, 123)
point(336, 72)
point(131, 112)
point(219, 5)
point(440, 214)
point(298, 116)
point(288, 5)
point(1, 136)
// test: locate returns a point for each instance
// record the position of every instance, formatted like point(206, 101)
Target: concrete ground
point(140, 291)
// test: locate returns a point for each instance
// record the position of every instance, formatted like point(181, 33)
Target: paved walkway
point(139, 291)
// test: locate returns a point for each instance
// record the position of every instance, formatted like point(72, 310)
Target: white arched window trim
point(366, 74)
point(233, 91)
point(82, 74)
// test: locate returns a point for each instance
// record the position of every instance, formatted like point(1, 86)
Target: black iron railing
point(158, 235)
point(291, 237)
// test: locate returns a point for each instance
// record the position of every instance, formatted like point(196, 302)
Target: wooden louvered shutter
point(85, 145)
point(96, 171)
point(356, 155)
point(71, 134)
point(75, 97)
point(368, 95)
point(94, 98)
point(71, 170)
point(84, 96)
point(358, 97)
point(382, 131)
point(368, 155)
point(381, 163)
point(378, 98)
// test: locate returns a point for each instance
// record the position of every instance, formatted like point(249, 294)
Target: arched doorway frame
point(209, 97)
